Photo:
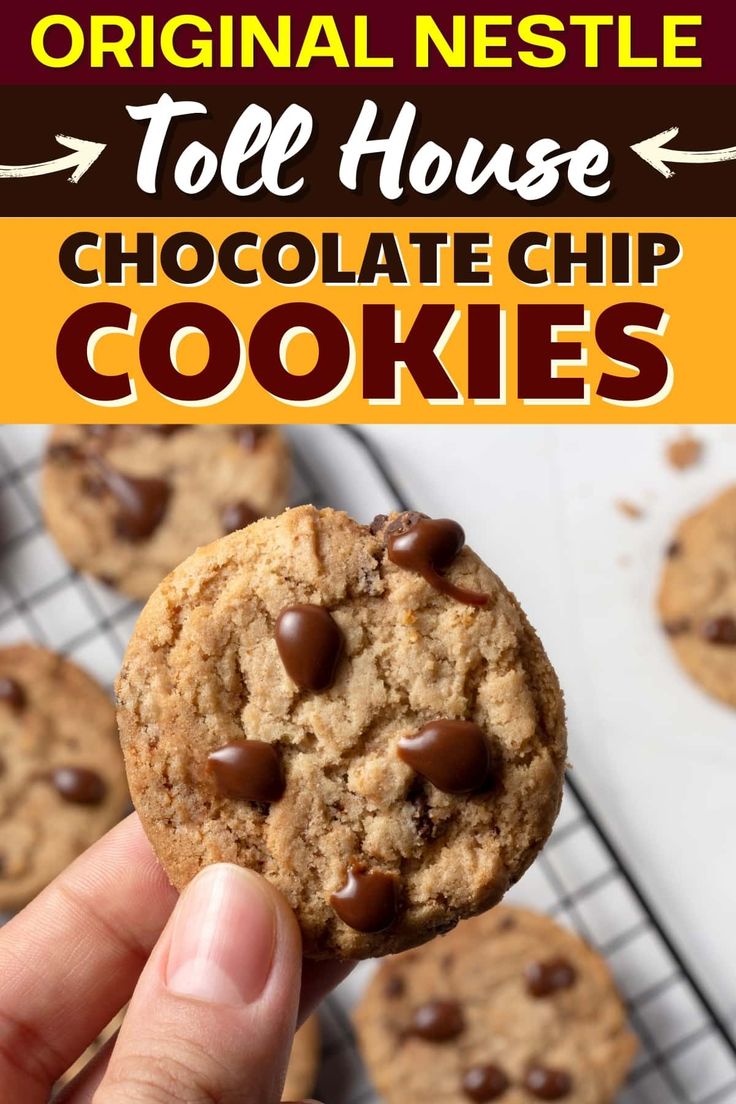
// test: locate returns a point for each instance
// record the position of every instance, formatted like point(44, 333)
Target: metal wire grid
point(687, 1054)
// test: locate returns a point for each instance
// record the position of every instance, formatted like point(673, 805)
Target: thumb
point(213, 1015)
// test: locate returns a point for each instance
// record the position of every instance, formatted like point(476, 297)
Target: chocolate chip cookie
point(128, 503)
point(362, 714)
point(697, 597)
point(62, 782)
point(508, 1007)
point(301, 1076)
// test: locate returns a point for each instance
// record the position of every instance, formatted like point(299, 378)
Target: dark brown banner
point(494, 121)
point(616, 42)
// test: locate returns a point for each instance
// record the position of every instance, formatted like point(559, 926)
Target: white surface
point(655, 754)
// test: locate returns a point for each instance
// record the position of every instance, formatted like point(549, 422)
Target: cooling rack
point(687, 1054)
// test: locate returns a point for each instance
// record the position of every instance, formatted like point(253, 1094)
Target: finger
point(96, 923)
point(82, 1089)
point(318, 978)
point(214, 1013)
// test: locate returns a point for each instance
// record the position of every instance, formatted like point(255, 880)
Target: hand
point(216, 980)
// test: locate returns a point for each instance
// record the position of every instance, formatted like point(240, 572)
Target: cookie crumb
point(629, 509)
point(684, 452)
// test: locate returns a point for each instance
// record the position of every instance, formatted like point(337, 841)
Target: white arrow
point(83, 156)
point(655, 152)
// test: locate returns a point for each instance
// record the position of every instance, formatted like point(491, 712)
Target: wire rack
point(687, 1054)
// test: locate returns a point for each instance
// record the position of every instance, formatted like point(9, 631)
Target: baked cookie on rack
point(363, 715)
point(508, 1007)
point(697, 596)
point(128, 503)
point(62, 781)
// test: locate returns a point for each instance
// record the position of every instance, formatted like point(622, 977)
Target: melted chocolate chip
point(395, 987)
point(677, 627)
point(237, 515)
point(12, 694)
point(141, 502)
point(63, 452)
point(720, 630)
point(545, 978)
point(428, 546)
point(438, 1021)
point(79, 785)
point(249, 769)
point(484, 1083)
point(454, 756)
point(310, 644)
point(368, 901)
point(547, 1084)
point(377, 524)
point(249, 436)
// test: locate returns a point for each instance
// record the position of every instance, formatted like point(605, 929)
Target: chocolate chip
point(454, 756)
point(141, 503)
point(428, 546)
point(368, 901)
point(547, 1084)
point(404, 522)
point(674, 548)
point(378, 524)
point(395, 987)
point(438, 1021)
point(484, 1083)
point(248, 769)
point(677, 627)
point(237, 515)
point(310, 644)
point(12, 693)
point(545, 978)
point(720, 630)
point(79, 785)
point(64, 452)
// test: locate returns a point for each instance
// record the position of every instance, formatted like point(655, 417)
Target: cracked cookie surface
point(128, 503)
point(62, 781)
point(697, 597)
point(203, 672)
point(509, 1007)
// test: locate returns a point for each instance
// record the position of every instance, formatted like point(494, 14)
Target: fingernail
point(223, 938)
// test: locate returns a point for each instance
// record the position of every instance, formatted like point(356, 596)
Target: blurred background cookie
point(62, 783)
point(128, 503)
point(697, 597)
point(301, 1076)
point(509, 1006)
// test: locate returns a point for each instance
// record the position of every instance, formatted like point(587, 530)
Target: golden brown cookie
point(128, 503)
point(697, 596)
point(508, 1007)
point(62, 783)
point(301, 1076)
point(362, 715)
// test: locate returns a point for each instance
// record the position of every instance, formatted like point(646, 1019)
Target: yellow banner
point(395, 320)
